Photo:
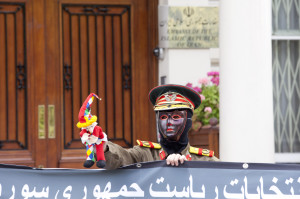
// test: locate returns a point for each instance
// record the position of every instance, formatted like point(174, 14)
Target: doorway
point(55, 54)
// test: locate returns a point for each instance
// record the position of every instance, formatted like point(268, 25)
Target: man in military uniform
point(174, 106)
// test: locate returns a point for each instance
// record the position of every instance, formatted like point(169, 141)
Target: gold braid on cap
point(172, 100)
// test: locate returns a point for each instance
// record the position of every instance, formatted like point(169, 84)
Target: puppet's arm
point(84, 135)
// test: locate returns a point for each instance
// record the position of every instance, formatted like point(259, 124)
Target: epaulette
point(149, 144)
point(200, 151)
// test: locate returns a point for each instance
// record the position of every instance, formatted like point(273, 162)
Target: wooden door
point(79, 47)
point(24, 122)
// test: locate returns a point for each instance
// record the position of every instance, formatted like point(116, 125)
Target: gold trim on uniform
point(172, 100)
point(200, 151)
point(171, 106)
point(149, 144)
point(193, 150)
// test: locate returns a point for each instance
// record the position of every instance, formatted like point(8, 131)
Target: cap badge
point(170, 97)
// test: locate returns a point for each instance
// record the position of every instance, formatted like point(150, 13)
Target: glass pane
point(286, 95)
point(285, 14)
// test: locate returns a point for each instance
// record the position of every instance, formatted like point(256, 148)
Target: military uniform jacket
point(117, 156)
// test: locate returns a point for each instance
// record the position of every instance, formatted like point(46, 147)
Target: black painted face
point(172, 123)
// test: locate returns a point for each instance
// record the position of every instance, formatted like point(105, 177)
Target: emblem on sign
point(188, 11)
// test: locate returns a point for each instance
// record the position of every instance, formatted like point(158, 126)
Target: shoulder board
point(200, 151)
point(149, 144)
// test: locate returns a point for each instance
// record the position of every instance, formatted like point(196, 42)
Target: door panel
point(96, 35)
point(14, 137)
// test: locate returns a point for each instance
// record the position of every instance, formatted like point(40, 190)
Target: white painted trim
point(277, 37)
point(287, 157)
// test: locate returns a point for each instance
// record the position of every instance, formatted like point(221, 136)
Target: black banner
point(154, 180)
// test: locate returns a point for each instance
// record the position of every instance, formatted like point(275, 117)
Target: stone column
point(246, 103)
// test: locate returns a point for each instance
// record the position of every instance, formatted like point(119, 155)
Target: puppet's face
point(172, 123)
point(91, 127)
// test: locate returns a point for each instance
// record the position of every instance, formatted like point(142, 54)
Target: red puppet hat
point(85, 117)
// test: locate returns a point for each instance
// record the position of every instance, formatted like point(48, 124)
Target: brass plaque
point(51, 121)
point(188, 27)
point(41, 122)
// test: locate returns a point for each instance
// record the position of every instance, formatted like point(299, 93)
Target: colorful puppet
point(91, 134)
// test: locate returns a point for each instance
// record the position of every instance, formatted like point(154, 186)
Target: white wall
point(182, 66)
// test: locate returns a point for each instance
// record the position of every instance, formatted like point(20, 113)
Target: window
point(286, 78)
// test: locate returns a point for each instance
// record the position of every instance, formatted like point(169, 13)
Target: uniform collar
point(185, 151)
point(163, 154)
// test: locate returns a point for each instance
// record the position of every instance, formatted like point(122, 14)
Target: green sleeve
point(117, 156)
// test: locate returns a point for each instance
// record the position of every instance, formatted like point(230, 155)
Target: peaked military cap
point(172, 96)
